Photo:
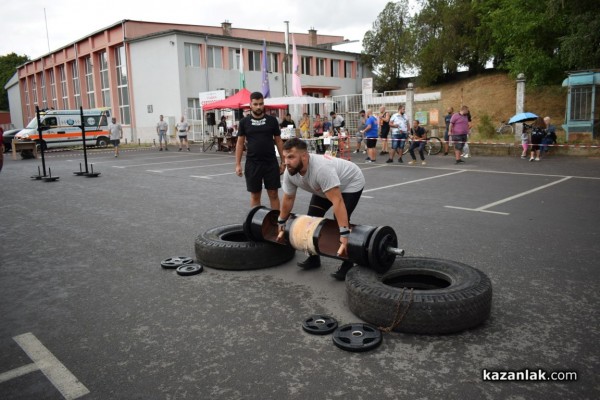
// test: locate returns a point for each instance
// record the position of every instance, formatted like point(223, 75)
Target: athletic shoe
point(180, 149)
point(423, 163)
point(400, 160)
point(458, 162)
point(364, 152)
point(464, 155)
point(311, 262)
point(524, 157)
point(166, 148)
point(370, 161)
point(355, 151)
point(389, 160)
point(367, 159)
point(340, 274)
point(412, 162)
point(537, 159)
point(445, 154)
point(160, 149)
point(531, 159)
point(189, 149)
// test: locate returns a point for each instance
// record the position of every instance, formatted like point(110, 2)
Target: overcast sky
point(24, 27)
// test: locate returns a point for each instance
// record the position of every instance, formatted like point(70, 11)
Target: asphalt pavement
point(87, 311)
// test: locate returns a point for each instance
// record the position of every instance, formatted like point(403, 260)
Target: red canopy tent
point(239, 100)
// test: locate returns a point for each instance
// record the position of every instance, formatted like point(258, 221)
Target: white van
point(62, 128)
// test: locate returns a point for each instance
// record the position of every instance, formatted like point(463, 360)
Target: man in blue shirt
point(370, 134)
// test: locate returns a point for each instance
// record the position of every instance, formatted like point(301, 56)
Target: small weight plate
point(189, 269)
point(175, 262)
point(357, 337)
point(319, 324)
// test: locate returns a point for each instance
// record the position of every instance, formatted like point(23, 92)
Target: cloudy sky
point(24, 27)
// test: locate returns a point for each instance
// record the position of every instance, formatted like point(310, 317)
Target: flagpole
point(286, 57)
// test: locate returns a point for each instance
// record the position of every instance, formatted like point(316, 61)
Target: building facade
point(143, 69)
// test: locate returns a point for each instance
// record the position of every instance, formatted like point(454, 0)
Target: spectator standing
point(162, 128)
point(333, 182)
point(459, 130)
point(318, 126)
point(361, 125)
point(337, 122)
point(538, 133)
point(370, 132)
point(419, 139)
point(261, 131)
point(384, 129)
point(222, 127)
point(288, 121)
point(116, 134)
point(326, 125)
point(399, 127)
point(305, 126)
point(182, 131)
point(550, 138)
point(466, 153)
point(447, 118)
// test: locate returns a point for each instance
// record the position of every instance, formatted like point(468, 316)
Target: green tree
point(8, 67)
point(387, 47)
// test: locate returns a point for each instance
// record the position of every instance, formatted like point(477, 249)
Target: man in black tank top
point(384, 131)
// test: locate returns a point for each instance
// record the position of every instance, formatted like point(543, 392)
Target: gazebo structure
point(583, 105)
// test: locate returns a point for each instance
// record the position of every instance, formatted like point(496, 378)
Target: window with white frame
point(43, 89)
point(234, 59)
point(89, 81)
point(215, 56)
point(335, 68)
point(104, 82)
point(34, 90)
point(320, 66)
point(273, 62)
point(54, 98)
point(348, 69)
point(254, 60)
point(305, 65)
point(192, 54)
point(63, 87)
point(122, 85)
point(193, 109)
point(76, 84)
point(27, 105)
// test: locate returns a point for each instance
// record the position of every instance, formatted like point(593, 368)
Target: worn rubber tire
point(227, 247)
point(463, 303)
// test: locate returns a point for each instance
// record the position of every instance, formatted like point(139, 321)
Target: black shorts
point(257, 172)
point(115, 142)
point(319, 205)
point(371, 143)
point(385, 131)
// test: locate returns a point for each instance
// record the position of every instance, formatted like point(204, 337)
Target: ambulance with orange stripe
point(62, 128)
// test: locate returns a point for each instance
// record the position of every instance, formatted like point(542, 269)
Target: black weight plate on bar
point(175, 262)
point(319, 324)
point(189, 269)
point(357, 337)
point(379, 258)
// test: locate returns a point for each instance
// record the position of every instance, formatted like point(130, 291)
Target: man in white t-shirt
point(162, 129)
point(399, 125)
point(182, 130)
point(333, 182)
point(116, 134)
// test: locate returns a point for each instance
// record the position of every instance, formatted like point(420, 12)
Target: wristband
point(344, 231)
point(281, 222)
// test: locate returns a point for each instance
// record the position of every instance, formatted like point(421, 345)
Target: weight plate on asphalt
point(357, 337)
point(175, 262)
point(189, 269)
point(319, 324)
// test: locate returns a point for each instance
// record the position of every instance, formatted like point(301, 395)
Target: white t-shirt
point(401, 121)
point(182, 128)
point(115, 131)
point(162, 126)
point(324, 173)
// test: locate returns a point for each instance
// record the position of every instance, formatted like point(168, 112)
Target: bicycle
point(433, 145)
point(504, 129)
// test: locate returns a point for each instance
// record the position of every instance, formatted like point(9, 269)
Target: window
point(335, 68)
point(215, 57)
point(192, 54)
point(104, 82)
point(193, 109)
point(34, 90)
point(89, 81)
point(53, 89)
point(321, 66)
point(76, 85)
point(43, 89)
point(122, 85)
point(273, 62)
point(63, 87)
point(348, 69)
point(234, 59)
point(26, 91)
point(581, 103)
point(305, 65)
point(254, 60)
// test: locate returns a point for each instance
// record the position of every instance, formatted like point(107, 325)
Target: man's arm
point(279, 144)
point(239, 150)
point(284, 213)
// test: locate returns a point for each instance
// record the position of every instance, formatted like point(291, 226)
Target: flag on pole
point(265, 77)
point(242, 76)
point(296, 85)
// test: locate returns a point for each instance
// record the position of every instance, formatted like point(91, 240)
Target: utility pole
point(286, 57)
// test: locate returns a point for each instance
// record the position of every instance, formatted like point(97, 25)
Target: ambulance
point(62, 128)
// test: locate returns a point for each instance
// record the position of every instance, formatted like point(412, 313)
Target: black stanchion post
point(82, 126)
point(39, 128)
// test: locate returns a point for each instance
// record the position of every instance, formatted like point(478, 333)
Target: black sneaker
point(340, 274)
point(389, 160)
point(310, 263)
point(400, 161)
point(459, 162)
point(382, 153)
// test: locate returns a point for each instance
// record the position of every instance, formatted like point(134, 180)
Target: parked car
point(7, 138)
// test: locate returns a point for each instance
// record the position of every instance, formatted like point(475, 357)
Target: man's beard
point(299, 168)
point(258, 113)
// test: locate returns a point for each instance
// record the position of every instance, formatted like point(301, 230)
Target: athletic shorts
point(384, 132)
point(259, 172)
point(181, 137)
point(319, 205)
point(459, 141)
point(115, 142)
point(371, 143)
point(398, 140)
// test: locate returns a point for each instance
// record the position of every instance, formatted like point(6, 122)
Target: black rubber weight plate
point(175, 262)
point(228, 247)
point(189, 269)
point(319, 325)
point(447, 296)
point(357, 337)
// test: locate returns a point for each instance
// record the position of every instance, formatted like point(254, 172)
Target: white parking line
point(416, 180)
point(516, 196)
point(156, 163)
point(210, 176)
point(17, 372)
point(195, 166)
point(66, 383)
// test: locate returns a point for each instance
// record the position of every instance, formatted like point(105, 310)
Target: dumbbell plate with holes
point(175, 262)
point(189, 269)
point(319, 325)
point(357, 337)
